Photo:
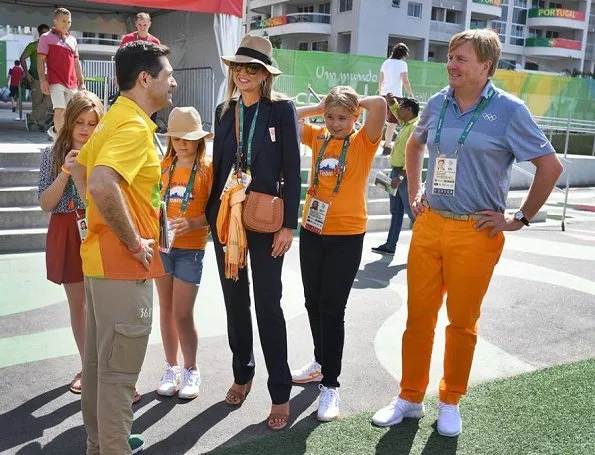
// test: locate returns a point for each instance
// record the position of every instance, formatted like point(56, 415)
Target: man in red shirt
point(59, 67)
point(143, 23)
point(15, 75)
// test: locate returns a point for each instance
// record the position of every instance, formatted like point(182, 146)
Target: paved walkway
point(537, 312)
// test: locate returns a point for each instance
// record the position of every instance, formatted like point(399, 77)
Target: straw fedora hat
point(254, 49)
point(185, 123)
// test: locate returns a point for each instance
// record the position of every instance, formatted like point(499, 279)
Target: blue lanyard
point(341, 166)
point(189, 186)
point(478, 110)
point(250, 135)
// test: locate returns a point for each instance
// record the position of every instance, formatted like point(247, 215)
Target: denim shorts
point(184, 264)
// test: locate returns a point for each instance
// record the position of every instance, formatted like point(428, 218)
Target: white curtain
point(228, 36)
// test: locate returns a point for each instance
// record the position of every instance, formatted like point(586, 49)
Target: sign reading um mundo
point(559, 13)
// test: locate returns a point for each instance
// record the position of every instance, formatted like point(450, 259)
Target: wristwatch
point(521, 217)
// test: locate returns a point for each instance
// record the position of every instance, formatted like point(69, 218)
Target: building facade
point(542, 35)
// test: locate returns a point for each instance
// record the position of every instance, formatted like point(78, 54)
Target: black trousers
point(329, 264)
point(266, 276)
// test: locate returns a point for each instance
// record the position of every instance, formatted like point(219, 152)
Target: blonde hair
point(266, 90)
point(143, 16)
point(61, 11)
point(486, 44)
point(81, 101)
point(342, 97)
point(201, 153)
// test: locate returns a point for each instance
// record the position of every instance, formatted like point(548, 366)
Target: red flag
point(233, 7)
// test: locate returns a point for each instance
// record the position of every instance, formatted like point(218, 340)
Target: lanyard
point(240, 135)
point(189, 186)
point(478, 110)
point(341, 166)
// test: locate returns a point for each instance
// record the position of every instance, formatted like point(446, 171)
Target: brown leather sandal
point(76, 384)
point(235, 397)
point(277, 416)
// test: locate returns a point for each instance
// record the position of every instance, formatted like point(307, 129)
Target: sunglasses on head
point(251, 68)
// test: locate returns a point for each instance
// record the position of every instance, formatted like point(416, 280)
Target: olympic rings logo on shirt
point(489, 117)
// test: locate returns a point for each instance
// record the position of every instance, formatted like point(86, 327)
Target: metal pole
point(593, 151)
point(20, 102)
point(105, 95)
point(567, 170)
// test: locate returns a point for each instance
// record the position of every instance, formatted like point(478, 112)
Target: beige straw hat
point(254, 49)
point(185, 123)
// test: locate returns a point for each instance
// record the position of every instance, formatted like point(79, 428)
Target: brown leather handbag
point(263, 212)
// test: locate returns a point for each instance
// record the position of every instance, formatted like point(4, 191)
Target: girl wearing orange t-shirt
point(333, 227)
point(186, 180)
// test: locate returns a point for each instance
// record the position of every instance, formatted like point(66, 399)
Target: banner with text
point(545, 95)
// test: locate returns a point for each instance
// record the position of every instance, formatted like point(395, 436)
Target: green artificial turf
point(550, 411)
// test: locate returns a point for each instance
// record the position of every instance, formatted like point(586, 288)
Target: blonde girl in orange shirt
point(186, 180)
point(333, 227)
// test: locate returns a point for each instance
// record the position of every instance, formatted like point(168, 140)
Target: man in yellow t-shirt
point(406, 110)
point(118, 170)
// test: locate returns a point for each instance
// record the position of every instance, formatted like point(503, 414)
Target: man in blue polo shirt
point(473, 132)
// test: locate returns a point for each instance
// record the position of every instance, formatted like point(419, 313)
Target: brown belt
point(452, 215)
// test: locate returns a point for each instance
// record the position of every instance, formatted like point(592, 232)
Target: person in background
point(119, 172)
point(394, 74)
point(40, 102)
point(332, 237)
point(15, 76)
point(406, 110)
point(143, 23)
point(58, 195)
point(477, 131)
point(58, 65)
point(268, 148)
point(186, 179)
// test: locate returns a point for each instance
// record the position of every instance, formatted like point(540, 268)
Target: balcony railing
point(555, 13)
point(96, 40)
point(560, 43)
point(294, 18)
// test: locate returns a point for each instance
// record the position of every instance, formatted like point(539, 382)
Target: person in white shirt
point(393, 76)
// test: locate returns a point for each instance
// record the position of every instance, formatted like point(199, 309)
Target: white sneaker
point(311, 372)
point(328, 404)
point(170, 381)
point(396, 411)
point(190, 384)
point(449, 420)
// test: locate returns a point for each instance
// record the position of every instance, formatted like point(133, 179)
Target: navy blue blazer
point(269, 158)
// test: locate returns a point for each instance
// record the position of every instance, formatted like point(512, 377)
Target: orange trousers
point(445, 256)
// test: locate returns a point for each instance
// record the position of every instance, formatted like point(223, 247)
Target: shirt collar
point(410, 122)
point(56, 32)
point(450, 94)
point(125, 101)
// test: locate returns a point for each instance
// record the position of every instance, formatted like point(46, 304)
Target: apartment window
point(306, 9)
point(504, 15)
point(535, 33)
point(500, 28)
point(507, 64)
point(303, 46)
point(551, 34)
point(396, 3)
point(437, 14)
point(540, 4)
point(324, 8)
point(320, 46)
point(555, 5)
point(414, 9)
point(451, 16)
point(478, 23)
point(345, 5)
point(521, 3)
point(517, 35)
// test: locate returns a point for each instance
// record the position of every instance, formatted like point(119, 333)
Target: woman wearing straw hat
point(186, 180)
point(268, 147)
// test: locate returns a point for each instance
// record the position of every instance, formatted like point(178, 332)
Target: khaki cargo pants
point(119, 317)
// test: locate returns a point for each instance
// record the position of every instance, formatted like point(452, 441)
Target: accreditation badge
point(445, 176)
point(83, 228)
point(232, 181)
point(316, 215)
